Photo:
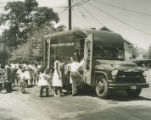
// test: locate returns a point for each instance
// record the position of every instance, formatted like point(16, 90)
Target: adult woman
point(57, 78)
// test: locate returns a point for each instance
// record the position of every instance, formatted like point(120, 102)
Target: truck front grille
point(129, 77)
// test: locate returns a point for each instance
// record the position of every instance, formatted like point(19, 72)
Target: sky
point(130, 18)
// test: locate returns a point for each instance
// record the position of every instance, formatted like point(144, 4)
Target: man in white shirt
point(75, 78)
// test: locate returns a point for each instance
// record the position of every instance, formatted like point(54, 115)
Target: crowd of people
point(63, 75)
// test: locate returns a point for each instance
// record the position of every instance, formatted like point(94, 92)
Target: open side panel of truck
point(88, 52)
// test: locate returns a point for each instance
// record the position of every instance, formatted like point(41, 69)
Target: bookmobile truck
point(103, 52)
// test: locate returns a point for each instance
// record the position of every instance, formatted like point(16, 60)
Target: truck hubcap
point(100, 87)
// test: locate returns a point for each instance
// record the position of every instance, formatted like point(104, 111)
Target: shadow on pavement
point(122, 96)
point(86, 90)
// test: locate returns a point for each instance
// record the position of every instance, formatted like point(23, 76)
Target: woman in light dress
point(57, 78)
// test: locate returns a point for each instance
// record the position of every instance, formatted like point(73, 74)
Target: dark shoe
point(47, 95)
point(75, 94)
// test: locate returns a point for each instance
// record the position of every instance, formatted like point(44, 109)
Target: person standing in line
point(57, 78)
point(36, 74)
point(30, 70)
point(8, 74)
point(19, 72)
point(75, 77)
point(16, 69)
point(67, 76)
point(13, 72)
point(39, 66)
point(27, 77)
point(43, 82)
point(23, 83)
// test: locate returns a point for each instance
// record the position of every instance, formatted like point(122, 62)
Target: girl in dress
point(43, 82)
point(57, 78)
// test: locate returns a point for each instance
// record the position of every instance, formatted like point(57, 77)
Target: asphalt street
point(18, 106)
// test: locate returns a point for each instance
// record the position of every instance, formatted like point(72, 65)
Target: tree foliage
point(33, 48)
point(23, 17)
point(44, 16)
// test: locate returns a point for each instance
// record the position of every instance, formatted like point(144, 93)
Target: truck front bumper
point(124, 86)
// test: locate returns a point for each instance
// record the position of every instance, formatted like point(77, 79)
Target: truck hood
point(115, 64)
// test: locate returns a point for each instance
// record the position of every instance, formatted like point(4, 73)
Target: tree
point(23, 17)
point(33, 48)
point(45, 16)
point(61, 28)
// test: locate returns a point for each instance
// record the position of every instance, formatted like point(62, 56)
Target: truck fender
point(101, 73)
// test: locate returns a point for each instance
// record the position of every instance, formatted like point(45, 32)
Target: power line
point(83, 15)
point(92, 15)
point(71, 6)
point(133, 11)
point(80, 3)
point(63, 10)
point(138, 29)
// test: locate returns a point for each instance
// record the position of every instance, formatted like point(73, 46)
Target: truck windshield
point(108, 53)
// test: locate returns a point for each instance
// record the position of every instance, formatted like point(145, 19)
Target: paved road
point(17, 106)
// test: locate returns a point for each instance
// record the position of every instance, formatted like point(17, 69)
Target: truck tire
point(134, 93)
point(102, 88)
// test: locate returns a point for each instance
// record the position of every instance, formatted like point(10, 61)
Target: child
point(43, 82)
point(19, 73)
point(49, 77)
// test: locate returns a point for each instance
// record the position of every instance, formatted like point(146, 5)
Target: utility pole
point(70, 14)
point(4, 42)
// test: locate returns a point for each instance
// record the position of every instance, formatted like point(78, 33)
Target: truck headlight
point(114, 72)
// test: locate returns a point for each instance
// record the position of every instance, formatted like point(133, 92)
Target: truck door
point(88, 51)
point(48, 52)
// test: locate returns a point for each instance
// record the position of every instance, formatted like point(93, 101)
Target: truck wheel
point(101, 88)
point(134, 93)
